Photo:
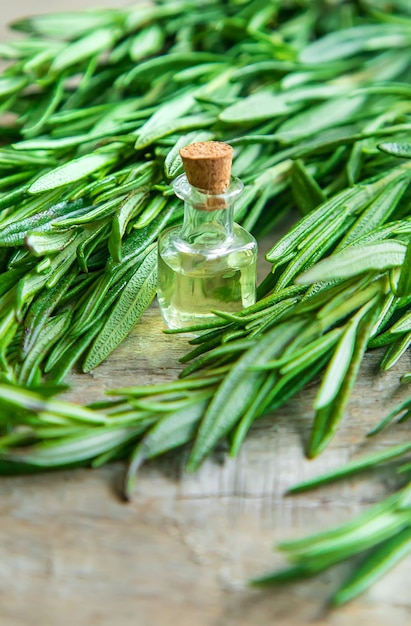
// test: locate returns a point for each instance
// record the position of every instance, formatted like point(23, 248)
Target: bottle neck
point(206, 227)
point(208, 218)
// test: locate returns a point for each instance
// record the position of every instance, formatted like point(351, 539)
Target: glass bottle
point(208, 263)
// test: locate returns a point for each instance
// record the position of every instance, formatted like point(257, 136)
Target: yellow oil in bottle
point(193, 283)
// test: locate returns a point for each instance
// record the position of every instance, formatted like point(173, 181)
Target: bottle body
point(192, 282)
point(208, 263)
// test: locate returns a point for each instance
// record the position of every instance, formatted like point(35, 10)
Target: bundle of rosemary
point(314, 97)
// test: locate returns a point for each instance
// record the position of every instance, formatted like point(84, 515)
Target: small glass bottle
point(208, 263)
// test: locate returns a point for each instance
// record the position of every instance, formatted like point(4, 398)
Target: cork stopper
point(208, 165)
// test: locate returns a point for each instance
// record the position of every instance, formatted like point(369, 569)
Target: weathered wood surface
point(72, 553)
